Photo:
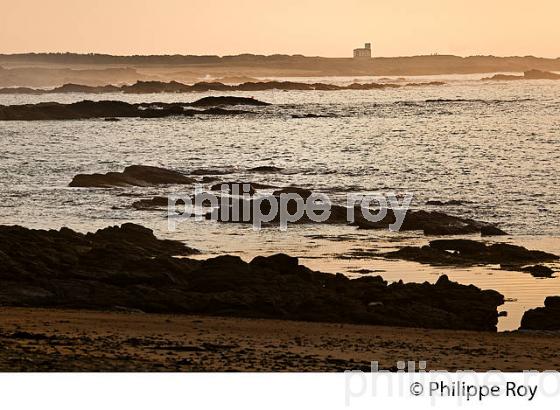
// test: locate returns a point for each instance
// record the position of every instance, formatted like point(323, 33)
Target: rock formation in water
point(543, 318)
point(127, 267)
point(114, 109)
point(527, 75)
point(134, 175)
point(151, 87)
point(470, 252)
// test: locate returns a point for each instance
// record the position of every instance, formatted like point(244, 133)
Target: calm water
point(494, 145)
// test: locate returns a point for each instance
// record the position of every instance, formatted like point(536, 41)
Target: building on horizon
point(363, 52)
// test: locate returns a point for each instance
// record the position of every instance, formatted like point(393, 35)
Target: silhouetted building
point(363, 52)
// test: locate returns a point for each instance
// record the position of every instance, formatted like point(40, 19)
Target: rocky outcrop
point(543, 318)
point(106, 109)
point(539, 271)
point(134, 175)
point(431, 223)
point(527, 75)
point(469, 252)
point(151, 204)
point(302, 192)
point(229, 187)
point(265, 169)
point(227, 101)
point(151, 87)
point(128, 268)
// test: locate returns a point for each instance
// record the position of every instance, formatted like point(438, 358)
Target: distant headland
point(55, 69)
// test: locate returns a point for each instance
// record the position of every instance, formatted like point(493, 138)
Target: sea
point(492, 145)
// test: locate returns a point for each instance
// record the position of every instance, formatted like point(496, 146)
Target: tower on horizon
point(363, 52)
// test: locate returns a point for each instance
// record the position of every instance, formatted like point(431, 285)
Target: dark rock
point(543, 318)
point(128, 267)
point(538, 271)
point(226, 100)
point(265, 169)
point(444, 203)
point(229, 186)
point(155, 203)
point(463, 246)
point(103, 109)
point(212, 171)
point(311, 115)
point(469, 252)
point(136, 175)
point(431, 223)
point(302, 192)
point(490, 230)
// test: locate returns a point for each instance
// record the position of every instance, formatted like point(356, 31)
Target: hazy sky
point(310, 27)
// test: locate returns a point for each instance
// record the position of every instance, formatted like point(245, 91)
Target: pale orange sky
point(311, 27)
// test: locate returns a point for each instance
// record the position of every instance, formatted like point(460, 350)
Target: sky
point(330, 28)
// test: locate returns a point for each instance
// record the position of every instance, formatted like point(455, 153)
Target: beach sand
point(70, 340)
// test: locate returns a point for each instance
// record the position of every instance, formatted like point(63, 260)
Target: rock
point(490, 230)
point(527, 75)
point(129, 267)
point(266, 169)
point(151, 87)
point(540, 75)
point(431, 223)
point(538, 271)
point(227, 100)
point(543, 318)
point(311, 115)
point(103, 109)
point(239, 186)
point(552, 302)
point(212, 171)
point(155, 203)
point(135, 175)
point(463, 246)
point(469, 252)
point(302, 192)
point(444, 203)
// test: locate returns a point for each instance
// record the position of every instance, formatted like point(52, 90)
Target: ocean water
point(493, 145)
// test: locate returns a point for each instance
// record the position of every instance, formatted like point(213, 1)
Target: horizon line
point(264, 55)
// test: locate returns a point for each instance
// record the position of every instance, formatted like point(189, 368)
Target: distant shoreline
point(290, 65)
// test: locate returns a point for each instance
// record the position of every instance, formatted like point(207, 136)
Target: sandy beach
point(70, 340)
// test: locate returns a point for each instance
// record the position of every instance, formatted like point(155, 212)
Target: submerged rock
point(128, 267)
point(543, 318)
point(239, 186)
point(265, 169)
point(437, 202)
point(135, 175)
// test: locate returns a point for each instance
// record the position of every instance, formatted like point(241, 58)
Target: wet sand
point(70, 340)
